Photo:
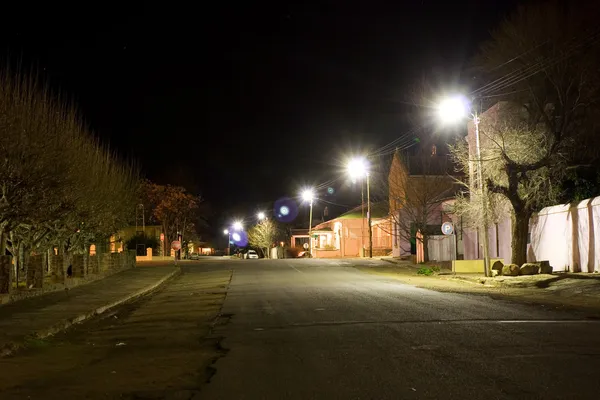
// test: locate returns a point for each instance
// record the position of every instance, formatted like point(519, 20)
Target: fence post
point(77, 263)
point(58, 269)
point(35, 272)
point(6, 274)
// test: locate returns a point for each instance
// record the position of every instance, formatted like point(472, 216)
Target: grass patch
point(36, 343)
point(428, 271)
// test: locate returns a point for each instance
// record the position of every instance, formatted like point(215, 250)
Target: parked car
point(251, 254)
point(194, 256)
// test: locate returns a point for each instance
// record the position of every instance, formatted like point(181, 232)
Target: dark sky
point(244, 104)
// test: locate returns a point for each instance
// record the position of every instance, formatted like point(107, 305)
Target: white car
point(251, 254)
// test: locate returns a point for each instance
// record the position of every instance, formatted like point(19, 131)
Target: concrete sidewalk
point(38, 317)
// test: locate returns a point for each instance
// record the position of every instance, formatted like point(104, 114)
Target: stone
point(495, 273)
point(545, 267)
point(529, 269)
point(498, 265)
point(510, 270)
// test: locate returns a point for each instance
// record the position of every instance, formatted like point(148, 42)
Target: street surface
point(313, 329)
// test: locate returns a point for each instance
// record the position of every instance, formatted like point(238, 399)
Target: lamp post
point(261, 216)
point(308, 195)
point(359, 168)
point(226, 232)
point(452, 110)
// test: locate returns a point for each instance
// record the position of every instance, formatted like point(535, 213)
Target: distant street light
point(308, 196)
point(358, 168)
point(261, 216)
point(453, 110)
point(238, 226)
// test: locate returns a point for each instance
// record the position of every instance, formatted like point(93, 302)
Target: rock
point(495, 273)
point(510, 270)
point(529, 269)
point(545, 267)
point(498, 265)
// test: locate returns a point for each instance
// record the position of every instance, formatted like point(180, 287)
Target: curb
point(11, 348)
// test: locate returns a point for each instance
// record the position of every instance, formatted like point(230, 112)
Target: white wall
point(568, 236)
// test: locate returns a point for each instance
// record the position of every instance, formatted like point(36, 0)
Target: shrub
point(425, 271)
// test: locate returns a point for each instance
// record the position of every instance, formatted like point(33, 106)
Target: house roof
point(326, 229)
point(378, 210)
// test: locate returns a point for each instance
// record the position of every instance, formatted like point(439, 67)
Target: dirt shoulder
point(157, 347)
point(566, 291)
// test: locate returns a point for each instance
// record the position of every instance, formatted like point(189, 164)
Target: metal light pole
point(358, 168)
point(452, 110)
point(482, 192)
point(369, 218)
point(308, 195)
point(226, 232)
point(310, 229)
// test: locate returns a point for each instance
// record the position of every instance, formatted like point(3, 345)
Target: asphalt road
point(312, 329)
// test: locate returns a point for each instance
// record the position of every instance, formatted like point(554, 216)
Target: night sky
point(245, 104)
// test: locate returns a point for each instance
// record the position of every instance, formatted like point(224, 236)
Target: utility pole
point(369, 218)
point(310, 228)
point(362, 212)
point(482, 192)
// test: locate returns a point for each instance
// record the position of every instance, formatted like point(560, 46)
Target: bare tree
point(59, 187)
point(417, 187)
point(550, 79)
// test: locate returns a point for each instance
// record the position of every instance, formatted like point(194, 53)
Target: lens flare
point(285, 210)
point(239, 238)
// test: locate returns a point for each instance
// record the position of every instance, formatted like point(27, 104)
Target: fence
point(568, 236)
point(439, 247)
point(50, 273)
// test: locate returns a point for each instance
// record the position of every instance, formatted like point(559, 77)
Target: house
point(348, 234)
point(299, 237)
point(422, 185)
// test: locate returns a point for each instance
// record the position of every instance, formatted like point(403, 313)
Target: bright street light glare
point(236, 237)
point(358, 167)
point(226, 232)
point(237, 225)
point(452, 109)
point(261, 216)
point(307, 195)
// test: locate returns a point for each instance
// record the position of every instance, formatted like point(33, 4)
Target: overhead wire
point(519, 75)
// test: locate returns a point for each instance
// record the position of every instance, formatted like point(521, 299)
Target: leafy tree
point(550, 80)
point(173, 208)
point(263, 235)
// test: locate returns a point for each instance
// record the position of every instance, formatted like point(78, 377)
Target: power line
point(519, 75)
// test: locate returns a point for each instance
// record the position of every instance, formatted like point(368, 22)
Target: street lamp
point(358, 168)
point(237, 226)
point(308, 196)
point(261, 216)
point(452, 110)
